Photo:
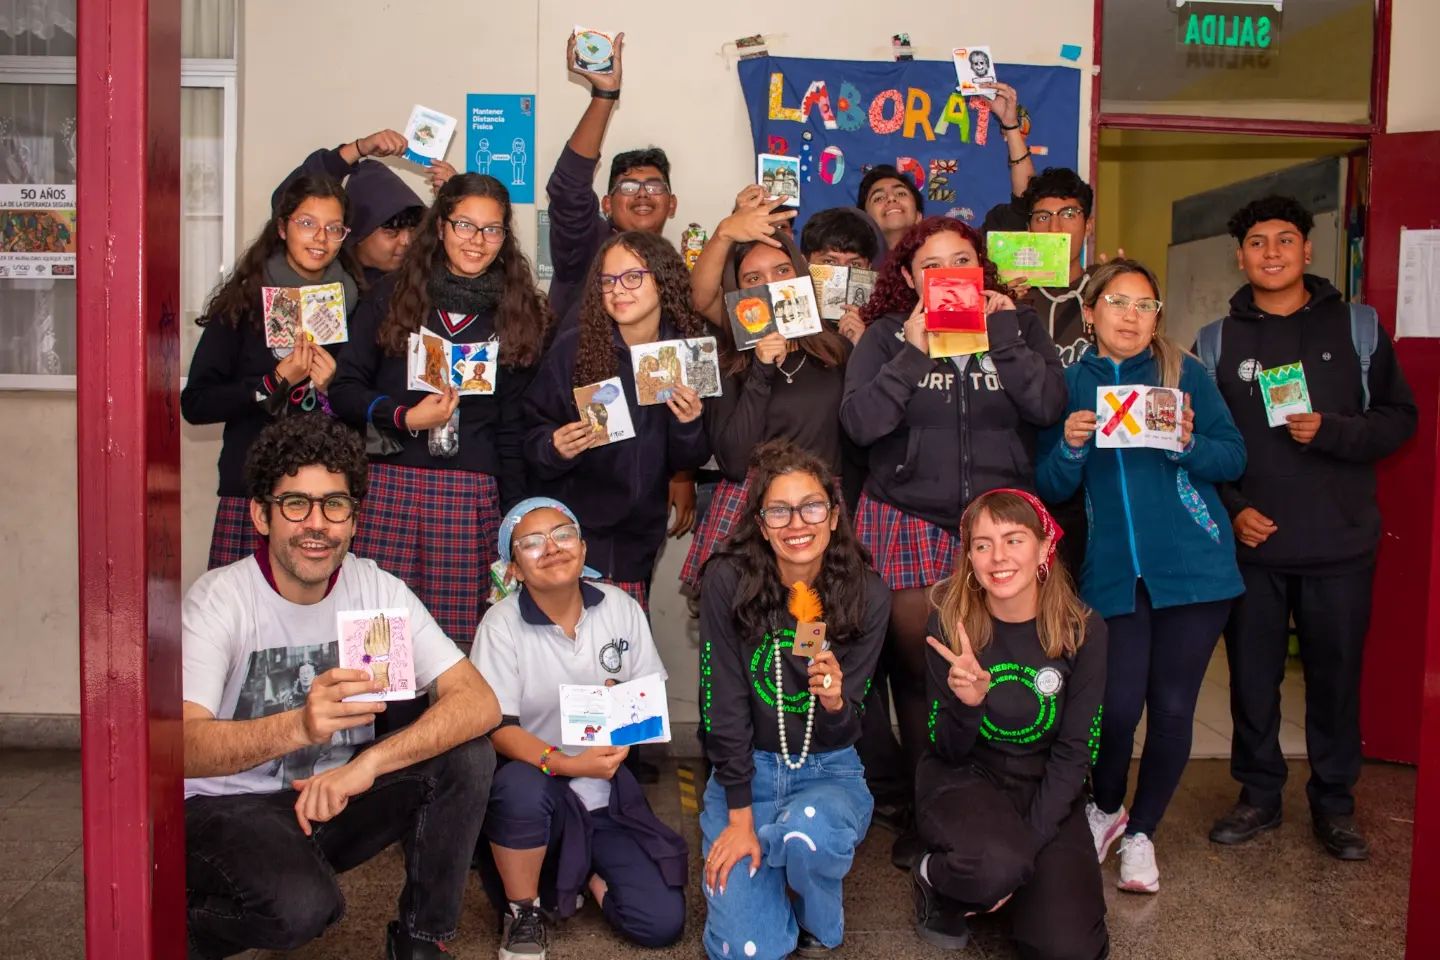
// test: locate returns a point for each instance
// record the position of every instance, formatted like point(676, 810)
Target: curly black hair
point(1058, 183)
point(301, 441)
point(634, 159)
point(595, 358)
point(1273, 207)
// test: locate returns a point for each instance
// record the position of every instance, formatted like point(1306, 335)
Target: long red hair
point(893, 295)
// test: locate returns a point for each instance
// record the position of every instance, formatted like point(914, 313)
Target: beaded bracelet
point(545, 761)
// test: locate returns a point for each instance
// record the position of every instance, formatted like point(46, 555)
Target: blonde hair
point(1169, 355)
point(1060, 615)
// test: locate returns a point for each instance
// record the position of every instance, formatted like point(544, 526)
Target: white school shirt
point(525, 657)
point(251, 653)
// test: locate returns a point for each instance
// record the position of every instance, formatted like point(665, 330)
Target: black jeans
point(1332, 614)
point(253, 879)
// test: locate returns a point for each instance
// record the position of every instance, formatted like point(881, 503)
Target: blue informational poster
point(500, 140)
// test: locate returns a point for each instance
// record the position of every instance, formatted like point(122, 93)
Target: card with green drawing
point(1284, 391)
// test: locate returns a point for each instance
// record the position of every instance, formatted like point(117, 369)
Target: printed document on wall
point(1417, 308)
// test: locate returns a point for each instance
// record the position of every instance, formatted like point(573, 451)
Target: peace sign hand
point(967, 679)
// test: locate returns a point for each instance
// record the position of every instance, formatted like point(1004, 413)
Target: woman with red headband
point(1015, 674)
point(938, 433)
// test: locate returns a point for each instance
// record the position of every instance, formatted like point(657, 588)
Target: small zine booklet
point(627, 713)
point(317, 311)
point(379, 642)
point(427, 135)
point(594, 50)
point(603, 405)
point(1284, 391)
point(1136, 415)
point(841, 287)
point(957, 344)
point(975, 71)
point(786, 305)
point(1040, 259)
point(954, 300)
point(660, 366)
point(433, 363)
point(780, 176)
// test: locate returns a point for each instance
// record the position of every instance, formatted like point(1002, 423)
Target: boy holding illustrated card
point(1304, 513)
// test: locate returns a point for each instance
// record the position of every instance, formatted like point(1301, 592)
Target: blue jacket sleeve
point(1217, 450)
point(1060, 468)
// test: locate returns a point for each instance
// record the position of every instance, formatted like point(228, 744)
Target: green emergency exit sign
point(1230, 30)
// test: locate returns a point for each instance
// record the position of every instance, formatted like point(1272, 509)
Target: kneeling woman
point(559, 821)
point(1015, 675)
point(795, 817)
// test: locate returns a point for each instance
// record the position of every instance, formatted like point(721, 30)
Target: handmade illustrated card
point(433, 363)
point(617, 716)
point(1135, 415)
point(603, 405)
point(839, 287)
point(661, 365)
point(780, 176)
point(954, 299)
point(975, 71)
point(793, 303)
point(379, 642)
point(701, 359)
point(957, 344)
point(317, 310)
point(861, 285)
point(1039, 259)
point(427, 135)
point(594, 50)
point(751, 319)
point(1284, 391)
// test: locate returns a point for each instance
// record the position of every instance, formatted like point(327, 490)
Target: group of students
point(1018, 594)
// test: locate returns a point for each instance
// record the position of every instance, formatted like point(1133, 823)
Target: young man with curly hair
point(284, 787)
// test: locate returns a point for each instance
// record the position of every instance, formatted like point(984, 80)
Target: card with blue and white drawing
point(427, 135)
point(615, 716)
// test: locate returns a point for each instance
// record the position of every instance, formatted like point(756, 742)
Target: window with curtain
point(37, 145)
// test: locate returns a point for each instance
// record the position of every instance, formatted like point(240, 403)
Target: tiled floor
point(1212, 713)
point(1278, 897)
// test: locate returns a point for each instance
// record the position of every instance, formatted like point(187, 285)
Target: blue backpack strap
point(1207, 347)
point(1364, 334)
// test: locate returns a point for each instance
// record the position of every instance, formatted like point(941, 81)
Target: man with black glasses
point(266, 836)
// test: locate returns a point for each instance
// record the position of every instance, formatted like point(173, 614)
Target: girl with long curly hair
point(787, 791)
point(444, 467)
point(939, 432)
point(637, 292)
point(1015, 676)
point(235, 378)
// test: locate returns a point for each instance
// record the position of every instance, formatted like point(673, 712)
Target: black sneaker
point(1243, 823)
point(1340, 837)
point(938, 921)
point(809, 946)
point(524, 935)
point(907, 850)
point(399, 945)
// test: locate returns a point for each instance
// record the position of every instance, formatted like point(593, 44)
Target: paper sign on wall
point(500, 140)
point(37, 231)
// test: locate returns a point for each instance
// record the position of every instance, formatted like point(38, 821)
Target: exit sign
point(1229, 24)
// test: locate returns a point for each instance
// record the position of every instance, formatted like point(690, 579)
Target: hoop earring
point(1042, 572)
point(971, 578)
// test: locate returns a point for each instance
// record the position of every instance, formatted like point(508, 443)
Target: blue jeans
point(809, 822)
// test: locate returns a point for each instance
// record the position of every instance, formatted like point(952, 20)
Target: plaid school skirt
point(908, 552)
point(234, 537)
point(726, 505)
point(639, 591)
point(435, 530)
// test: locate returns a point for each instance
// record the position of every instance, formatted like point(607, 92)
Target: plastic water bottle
point(444, 440)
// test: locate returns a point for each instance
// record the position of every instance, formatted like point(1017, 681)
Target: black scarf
point(455, 294)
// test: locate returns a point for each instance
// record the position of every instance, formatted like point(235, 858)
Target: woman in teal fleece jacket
point(1160, 563)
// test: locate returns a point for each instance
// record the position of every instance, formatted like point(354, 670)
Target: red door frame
point(1423, 925)
point(128, 454)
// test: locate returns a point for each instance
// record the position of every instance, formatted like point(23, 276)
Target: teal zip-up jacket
point(1154, 515)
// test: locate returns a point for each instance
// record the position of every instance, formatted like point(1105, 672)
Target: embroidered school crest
point(612, 655)
point(1048, 682)
point(1249, 370)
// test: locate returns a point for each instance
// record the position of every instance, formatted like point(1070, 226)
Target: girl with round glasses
point(637, 293)
point(443, 465)
point(236, 378)
point(1160, 567)
point(786, 803)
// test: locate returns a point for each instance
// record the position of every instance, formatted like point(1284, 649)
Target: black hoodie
point(1320, 495)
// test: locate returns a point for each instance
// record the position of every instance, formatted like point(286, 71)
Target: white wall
point(1414, 68)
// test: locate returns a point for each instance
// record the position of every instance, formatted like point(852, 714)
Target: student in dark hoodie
point(1305, 515)
point(237, 380)
point(637, 293)
point(892, 201)
point(939, 433)
point(443, 466)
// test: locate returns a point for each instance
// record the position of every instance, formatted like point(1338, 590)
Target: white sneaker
point(1138, 872)
point(1106, 828)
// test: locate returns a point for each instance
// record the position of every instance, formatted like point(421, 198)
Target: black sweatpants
point(1331, 615)
point(972, 820)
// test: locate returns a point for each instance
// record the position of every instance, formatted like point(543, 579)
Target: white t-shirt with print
point(250, 653)
point(525, 657)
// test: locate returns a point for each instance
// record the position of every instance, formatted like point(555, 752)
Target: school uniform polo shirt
point(525, 657)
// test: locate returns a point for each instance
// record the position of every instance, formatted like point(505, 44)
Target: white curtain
point(202, 224)
point(47, 28)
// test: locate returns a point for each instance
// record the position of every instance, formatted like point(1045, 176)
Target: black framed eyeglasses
point(464, 229)
point(1067, 214)
point(630, 280)
point(296, 507)
point(653, 188)
point(778, 515)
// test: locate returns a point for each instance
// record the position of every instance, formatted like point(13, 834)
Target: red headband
point(1048, 526)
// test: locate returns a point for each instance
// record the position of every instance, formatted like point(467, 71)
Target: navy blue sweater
point(618, 491)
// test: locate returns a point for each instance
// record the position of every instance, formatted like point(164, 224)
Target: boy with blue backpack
point(1304, 513)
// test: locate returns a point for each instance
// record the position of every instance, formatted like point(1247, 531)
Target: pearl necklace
point(780, 714)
